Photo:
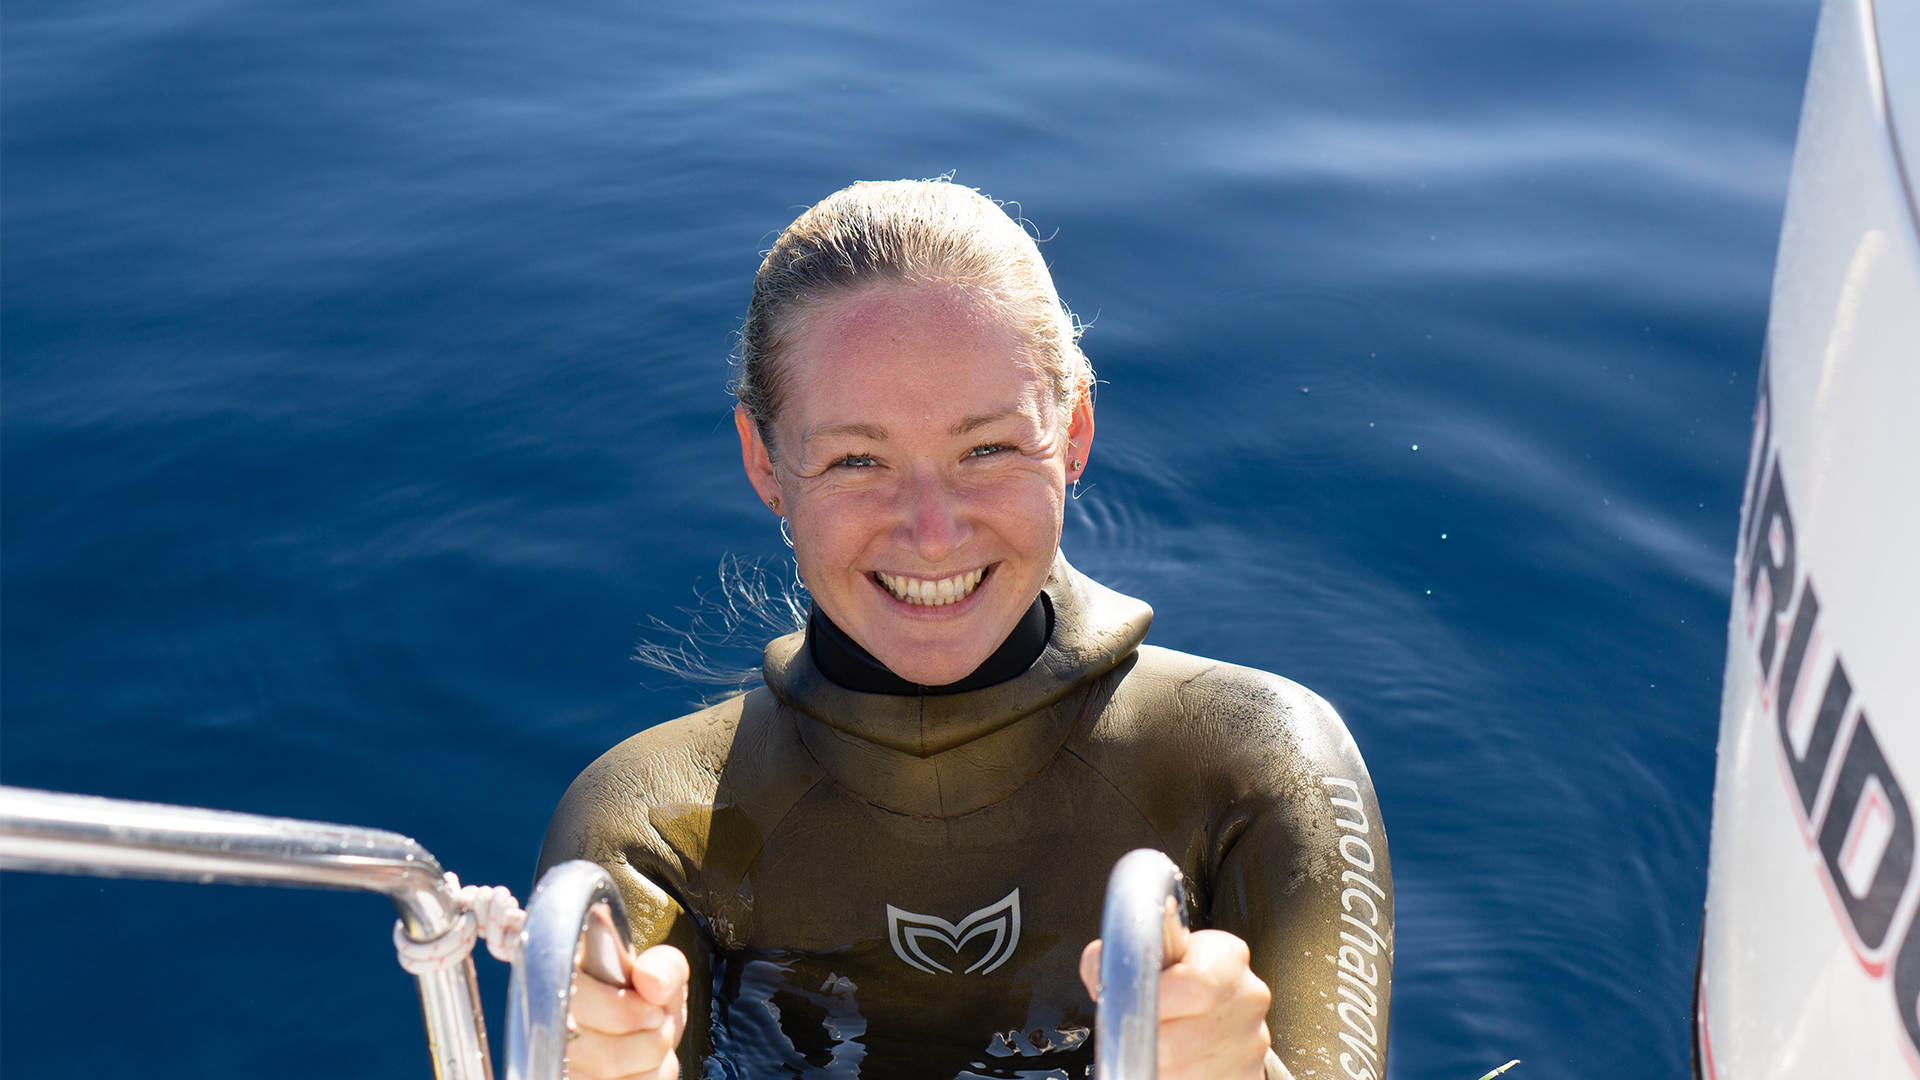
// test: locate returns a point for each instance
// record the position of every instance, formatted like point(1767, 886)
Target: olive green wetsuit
point(901, 885)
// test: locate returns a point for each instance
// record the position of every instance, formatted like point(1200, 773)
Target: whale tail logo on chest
point(999, 922)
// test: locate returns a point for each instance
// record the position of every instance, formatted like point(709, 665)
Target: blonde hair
point(902, 232)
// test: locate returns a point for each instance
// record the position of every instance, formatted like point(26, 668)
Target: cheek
point(1028, 515)
point(830, 535)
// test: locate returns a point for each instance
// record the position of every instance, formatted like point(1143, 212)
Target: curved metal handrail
point(54, 833)
point(1143, 930)
point(575, 912)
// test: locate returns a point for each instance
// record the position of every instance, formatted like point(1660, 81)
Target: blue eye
point(855, 461)
point(991, 448)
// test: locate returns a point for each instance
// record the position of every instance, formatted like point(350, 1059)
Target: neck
point(844, 662)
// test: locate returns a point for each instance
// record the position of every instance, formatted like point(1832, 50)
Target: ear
point(1080, 435)
point(756, 459)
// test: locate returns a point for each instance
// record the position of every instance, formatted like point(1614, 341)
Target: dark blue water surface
point(364, 396)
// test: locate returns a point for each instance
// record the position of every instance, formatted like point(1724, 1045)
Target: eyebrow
point(975, 423)
point(865, 431)
point(879, 434)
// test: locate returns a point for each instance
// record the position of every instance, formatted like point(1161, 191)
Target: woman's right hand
point(630, 1032)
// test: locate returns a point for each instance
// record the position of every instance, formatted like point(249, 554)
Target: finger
point(660, 975)
point(1240, 1020)
point(1241, 1004)
point(1213, 1013)
point(1211, 1047)
point(598, 1056)
point(603, 951)
point(1214, 970)
point(613, 1010)
point(1090, 968)
point(1246, 998)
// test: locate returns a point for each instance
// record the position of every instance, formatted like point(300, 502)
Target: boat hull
point(1810, 959)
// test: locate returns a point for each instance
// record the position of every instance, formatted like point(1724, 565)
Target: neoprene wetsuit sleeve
point(597, 821)
point(1257, 790)
point(1303, 876)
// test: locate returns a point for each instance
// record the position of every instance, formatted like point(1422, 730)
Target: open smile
point(923, 592)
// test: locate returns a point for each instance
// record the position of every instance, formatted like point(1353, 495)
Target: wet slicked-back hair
point(902, 232)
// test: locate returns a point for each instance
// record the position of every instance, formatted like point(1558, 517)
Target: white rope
point(488, 911)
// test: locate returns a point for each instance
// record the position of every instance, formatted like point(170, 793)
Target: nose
point(935, 522)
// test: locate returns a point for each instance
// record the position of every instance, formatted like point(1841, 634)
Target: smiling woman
point(905, 367)
point(922, 468)
point(889, 859)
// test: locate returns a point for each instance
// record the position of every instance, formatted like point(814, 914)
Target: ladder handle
point(1142, 931)
point(575, 915)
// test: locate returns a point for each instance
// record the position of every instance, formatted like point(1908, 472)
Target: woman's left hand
point(1213, 1010)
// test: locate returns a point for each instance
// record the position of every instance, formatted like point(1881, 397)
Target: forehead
point(899, 352)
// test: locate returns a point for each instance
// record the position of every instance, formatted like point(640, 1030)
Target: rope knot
point(488, 911)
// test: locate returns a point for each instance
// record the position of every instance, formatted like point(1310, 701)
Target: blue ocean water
point(363, 397)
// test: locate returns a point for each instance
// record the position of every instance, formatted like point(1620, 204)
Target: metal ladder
point(1144, 927)
point(55, 833)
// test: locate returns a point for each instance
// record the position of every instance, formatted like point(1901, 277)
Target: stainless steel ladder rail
point(1142, 930)
point(576, 904)
point(55, 833)
point(575, 911)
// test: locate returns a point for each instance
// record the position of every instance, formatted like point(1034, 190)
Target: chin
point(933, 665)
point(934, 674)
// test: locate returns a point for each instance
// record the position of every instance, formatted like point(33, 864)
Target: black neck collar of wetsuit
point(844, 662)
point(1094, 631)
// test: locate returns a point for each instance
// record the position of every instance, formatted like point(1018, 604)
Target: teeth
point(932, 593)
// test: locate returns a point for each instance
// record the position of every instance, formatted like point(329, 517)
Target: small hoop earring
point(784, 534)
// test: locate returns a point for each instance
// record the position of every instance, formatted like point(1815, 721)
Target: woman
point(889, 860)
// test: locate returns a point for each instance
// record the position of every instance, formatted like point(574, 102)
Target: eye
point(855, 461)
point(988, 450)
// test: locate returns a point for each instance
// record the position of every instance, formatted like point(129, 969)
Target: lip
point(954, 610)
